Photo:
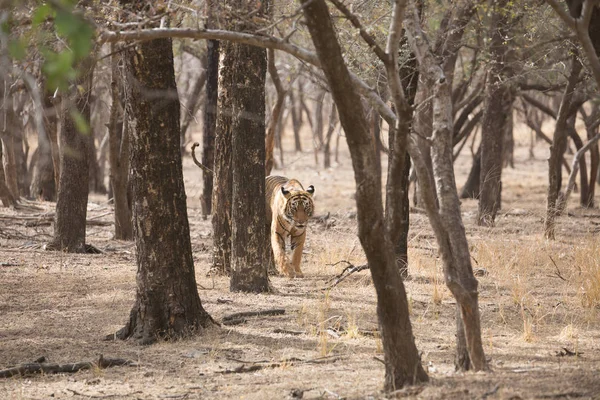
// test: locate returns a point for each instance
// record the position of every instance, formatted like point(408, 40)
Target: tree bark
point(45, 178)
point(167, 304)
point(498, 106)
point(402, 363)
point(446, 220)
point(471, 188)
point(119, 154)
point(333, 119)
point(71, 204)
point(222, 177)
point(582, 166)
point(210, 123)
point(296, 110)
point(557, 149)
point(275, 112)
point(248, 234)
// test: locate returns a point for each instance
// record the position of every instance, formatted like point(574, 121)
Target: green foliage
point(61, 57)
point(80, 122)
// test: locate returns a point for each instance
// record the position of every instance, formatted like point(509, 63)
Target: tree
point(248, 236)
point(71, 204)
point(496, 118)
point(402, 363)
point(119, 152)
point(167, 304)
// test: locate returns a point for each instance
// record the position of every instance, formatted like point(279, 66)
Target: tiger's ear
point(311, 190)
point(285, 192)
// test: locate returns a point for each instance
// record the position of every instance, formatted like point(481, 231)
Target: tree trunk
point(210, 123)
point(471, 188)
point(10, 164)
point(275, 113)
point(167, 304)
point(557, 149)
point(498, 106)
point(249, 238)
point(44, 179)
point(318, 121)
point(7, 198)
point(583, 175)
point(330, 129)
point(402, 362)
point(296, 107)
point(192, 106)
point(222, 177)
point(119, 154)
point(397, 196)
point(446, 220)
point(71, 205)
point(96, 182)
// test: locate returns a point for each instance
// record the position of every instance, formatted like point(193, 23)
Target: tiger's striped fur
point(289, 207)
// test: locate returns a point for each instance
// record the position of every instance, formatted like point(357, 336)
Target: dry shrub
point(587, 261)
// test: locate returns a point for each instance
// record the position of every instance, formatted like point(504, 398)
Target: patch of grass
point(587, 261)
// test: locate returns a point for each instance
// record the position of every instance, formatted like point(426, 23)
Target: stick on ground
point(47, 368)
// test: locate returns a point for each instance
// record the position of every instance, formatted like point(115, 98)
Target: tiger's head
point(299, 206)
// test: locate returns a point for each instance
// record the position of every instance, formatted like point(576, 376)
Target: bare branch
point(370, 40)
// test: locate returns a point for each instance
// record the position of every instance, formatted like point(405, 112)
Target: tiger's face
point(299, 206)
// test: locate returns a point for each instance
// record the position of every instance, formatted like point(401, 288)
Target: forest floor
point(539, 299)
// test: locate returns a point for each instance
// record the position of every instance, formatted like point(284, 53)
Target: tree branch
point(370, 40)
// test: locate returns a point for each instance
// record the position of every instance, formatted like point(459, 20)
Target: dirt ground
point(540, 305)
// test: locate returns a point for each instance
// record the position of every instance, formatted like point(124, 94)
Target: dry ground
point(539, 307)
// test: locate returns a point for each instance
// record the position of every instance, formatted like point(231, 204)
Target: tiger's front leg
point(297, 247)
point(278, 245)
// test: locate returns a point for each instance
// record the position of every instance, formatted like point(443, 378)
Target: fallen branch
point(41, 367)
point(258, 365)
point(349, 270)
point(240, 318)
point(557, 273)
point(203, 167)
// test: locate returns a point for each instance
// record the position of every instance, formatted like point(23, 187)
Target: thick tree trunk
point(210, 123)
point(71, 205)
point(557, 149)
point(402, 362)
point(498, 106)
point(167, 304)
point(249, 238)
point(119, 155)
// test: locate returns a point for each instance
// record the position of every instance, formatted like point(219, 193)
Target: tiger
point(289, 207)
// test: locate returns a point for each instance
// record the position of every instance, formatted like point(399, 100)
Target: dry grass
point(536, 298)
